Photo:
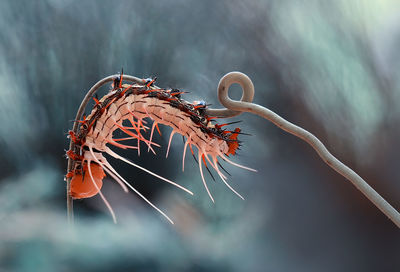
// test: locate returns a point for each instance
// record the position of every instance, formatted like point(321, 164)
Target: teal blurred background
point(332, 67)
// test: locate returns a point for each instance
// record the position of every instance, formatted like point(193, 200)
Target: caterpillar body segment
point(138, 103)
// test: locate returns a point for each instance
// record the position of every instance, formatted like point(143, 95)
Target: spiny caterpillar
point(135, 103)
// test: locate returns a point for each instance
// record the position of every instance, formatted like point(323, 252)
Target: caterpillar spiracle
point(140, 103)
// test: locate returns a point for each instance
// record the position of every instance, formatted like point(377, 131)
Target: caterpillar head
point(82, 184)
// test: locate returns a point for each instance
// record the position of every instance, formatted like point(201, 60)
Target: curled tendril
point(223, 87)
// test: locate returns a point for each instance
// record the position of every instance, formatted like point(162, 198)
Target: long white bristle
point(101, 194)
point(224, 179)
point(113, 154)
point(138, 193)
point(184, 154)
point(103, 166)
point(236, 164)
point(202, 178)
point(169, 142)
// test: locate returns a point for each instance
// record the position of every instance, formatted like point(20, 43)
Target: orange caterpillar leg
point(86, 188)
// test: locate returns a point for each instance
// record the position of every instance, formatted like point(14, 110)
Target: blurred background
point(332, 67)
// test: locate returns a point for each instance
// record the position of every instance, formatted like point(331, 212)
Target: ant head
point(200, 104)
point(149, 81)
point(117, 83)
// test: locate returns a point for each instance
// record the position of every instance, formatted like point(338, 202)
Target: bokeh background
point(332, 67)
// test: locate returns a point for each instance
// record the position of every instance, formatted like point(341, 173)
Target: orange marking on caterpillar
point(124, 139)
point(121, 145)
point(158, 129)
point(139, 136)
point(70, 174)
point(74, 138)
point(120, 81)
point(96, 101)
point(71, 154)
point(109, 104)
point(151, 82)
point(204, 160)
point(177, 93)
point(233, 145)
point(124, 91)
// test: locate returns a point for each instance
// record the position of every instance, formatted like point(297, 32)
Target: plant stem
point(235, 107)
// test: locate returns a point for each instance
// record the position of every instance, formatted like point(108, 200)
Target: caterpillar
point(140, 103)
